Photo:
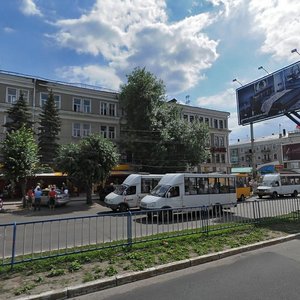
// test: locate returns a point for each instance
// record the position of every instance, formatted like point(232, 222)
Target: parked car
point(61, 198)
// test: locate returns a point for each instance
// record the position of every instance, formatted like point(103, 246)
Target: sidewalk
point(81, 197)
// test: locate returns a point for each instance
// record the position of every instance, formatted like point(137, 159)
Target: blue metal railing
point(28, 241)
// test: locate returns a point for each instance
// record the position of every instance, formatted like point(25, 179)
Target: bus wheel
point(274, 195)
point(123, 207)
point(295, 194)
point(242, 198)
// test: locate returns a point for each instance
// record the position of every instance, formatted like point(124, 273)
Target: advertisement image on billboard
point(291, 152)
point(269, 97)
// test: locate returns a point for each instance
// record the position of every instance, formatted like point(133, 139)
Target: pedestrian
point(37, 198)
point(52, 196)
point(30, 198)
point(37, 186)
point(1, 204)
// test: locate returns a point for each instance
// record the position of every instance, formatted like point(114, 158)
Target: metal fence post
point(253, 207)
point(207, 219)
point(129, 228)
point(258, 207)
point(13, 245)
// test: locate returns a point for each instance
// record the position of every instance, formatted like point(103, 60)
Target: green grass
point(111, 261)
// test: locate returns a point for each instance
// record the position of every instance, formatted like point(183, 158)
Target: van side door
point(174, 197)
point(131, 196)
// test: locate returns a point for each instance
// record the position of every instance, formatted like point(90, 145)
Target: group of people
point(34, 196)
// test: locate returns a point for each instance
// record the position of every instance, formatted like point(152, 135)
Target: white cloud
point(29, 8)
point(225, 100)
point(127, 34)
point(279, 22)
point(8, 30)
point(229, 6)
point(93, 75)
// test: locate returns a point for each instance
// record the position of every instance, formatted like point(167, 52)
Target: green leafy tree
point(89, 161)
point(18, 115)
point(154, 132)
point(20, 156)
point(50, 125)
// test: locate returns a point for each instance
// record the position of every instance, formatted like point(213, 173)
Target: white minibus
point(181, 190)
point(129, 194)
point(275, 185)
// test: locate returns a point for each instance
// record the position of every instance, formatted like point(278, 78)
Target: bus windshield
point(120, 189)
point(266, 181)
point(160, 190)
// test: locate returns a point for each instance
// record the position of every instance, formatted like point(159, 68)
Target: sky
point(197, 47)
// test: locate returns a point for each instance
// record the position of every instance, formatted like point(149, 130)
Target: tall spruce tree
point(18, 116)
point(50, 125)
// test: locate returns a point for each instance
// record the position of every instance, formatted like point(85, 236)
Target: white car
point(61, 198)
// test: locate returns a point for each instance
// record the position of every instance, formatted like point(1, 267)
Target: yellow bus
point(243, 189)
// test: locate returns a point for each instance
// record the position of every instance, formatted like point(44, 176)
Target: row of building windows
point(219, 141)
point(216, 123)
point(80, 130)
point(266, 157)
point(259, 148)
point(79, 104)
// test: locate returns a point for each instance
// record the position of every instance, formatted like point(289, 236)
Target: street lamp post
point(262, 68)
point(235, 80)
point(252, 141)
point(295, 51)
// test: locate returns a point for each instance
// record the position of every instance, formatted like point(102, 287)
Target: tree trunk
point(89, 199)
point(23, 191)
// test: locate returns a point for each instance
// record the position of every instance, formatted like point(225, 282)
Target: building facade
point(217, 122)
point(271, 150)
point(85, 109)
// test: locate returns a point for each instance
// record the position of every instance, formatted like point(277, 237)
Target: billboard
point(269, 97)
point(291, 152)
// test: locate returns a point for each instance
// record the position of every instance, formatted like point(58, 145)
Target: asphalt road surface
point(269, 273)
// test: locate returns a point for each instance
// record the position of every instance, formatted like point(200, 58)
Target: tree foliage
point(20, 156)
point(155, 134)
point(50, 125)
point(18, 116)
point(89, 161)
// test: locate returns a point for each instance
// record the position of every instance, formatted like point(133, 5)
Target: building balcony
point(218, 149)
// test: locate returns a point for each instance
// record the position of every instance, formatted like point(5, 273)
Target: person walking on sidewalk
point(30, 198)
point(37, 198)
point(52, 196)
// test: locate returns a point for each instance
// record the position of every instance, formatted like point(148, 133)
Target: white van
point(275, 185)
point(181, 190)
point(129, 194)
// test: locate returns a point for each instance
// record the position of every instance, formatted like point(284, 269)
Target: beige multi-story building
point(87, 109)
point(270, 150)
point(217, 122)
point(83, 110)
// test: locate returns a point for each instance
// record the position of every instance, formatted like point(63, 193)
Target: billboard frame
point(269, 97)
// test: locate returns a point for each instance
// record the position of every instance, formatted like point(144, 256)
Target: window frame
point(57, 101)
point(78, 130)
point(18, 91)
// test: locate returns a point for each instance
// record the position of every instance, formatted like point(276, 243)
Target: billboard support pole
point(252, 151)
point(293, 118)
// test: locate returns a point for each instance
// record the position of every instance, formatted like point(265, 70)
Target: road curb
point(122, 279)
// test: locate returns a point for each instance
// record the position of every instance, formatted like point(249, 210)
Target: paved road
point(97, 224)
point(270, 273)
point(15, 213)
